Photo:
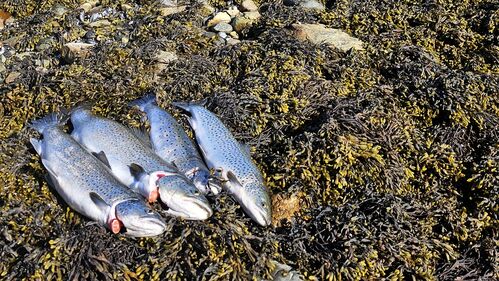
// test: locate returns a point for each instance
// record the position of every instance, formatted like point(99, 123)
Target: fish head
point(138, 219)
point(255, 202)
point(183, 199)
point(200, 180)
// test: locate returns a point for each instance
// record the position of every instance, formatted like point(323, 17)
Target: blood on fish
point(115, 226)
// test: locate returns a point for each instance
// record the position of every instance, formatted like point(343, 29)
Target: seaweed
point(381, 163)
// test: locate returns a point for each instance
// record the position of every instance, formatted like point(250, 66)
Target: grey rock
point(223, 27)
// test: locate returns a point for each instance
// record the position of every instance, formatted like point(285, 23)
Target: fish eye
point(149, 211)
point(264, 205)
point(196, 192)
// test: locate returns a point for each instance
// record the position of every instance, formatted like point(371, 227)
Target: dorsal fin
point(98, 201)
point(141, 135)
point(102, 157)
point(136, 170)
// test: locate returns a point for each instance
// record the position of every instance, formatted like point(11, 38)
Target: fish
point(134, 163)
point(232, 161)
point(172, 144)
point(87, 185)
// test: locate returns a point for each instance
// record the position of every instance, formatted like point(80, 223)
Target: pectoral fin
point(137, 171)
point(102, 157)
point(37, 145)
point(232, 179)
point(99, 202)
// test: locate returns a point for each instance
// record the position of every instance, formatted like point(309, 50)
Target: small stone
point(2, 67)
point(12, 77)
point(218, 18)
point(209, 34)
point(206, 9)
point(100, 23)
point(307, 4)
point(79, 48)
point(252, 15)
point(249, 5)
point(170, 3)
point(245, 21)
point(232, 41)
point(234, 35)
point(89, 5)
point(319, 34)
point(171, 10)
point(165, 57)
point(222, 35)
point(59, 9)
point(223, 27)
point(233, 12)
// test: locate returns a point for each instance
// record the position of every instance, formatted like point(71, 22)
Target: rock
point(318, 34)
point(234, 35)
point(209, 34)
point(171, 10)
point(89, 5)
point(222, 35)
point(248, 6)
point(165, 57)
point(59, 10)
point(245, 20)
point(252, 15)
point(233, 12)
point(45, 44)
point(308, 4)
point(2, 67)
point(79, 48)
point(170, 3)
point(12, 77)
point(232, 41)
point(223, 27)
point(206, 9)
point(218, 18)
point(100, 23)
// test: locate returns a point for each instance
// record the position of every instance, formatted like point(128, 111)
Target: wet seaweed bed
point(381, 163)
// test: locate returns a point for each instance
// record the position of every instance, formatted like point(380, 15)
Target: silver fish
point(88, 186)
point(223, 153)
point(135, 164)
point(171, 143)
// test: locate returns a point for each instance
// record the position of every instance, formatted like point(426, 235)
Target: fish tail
point(187, 105)
point(144, 101)
point(54, 119)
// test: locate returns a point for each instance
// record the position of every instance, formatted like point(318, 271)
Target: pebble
point(245, 20)
point(12, 77)
point(223, 27)
point(89, 5)
point(218, 18)
point(2, 67)
point(165, 57)
point(233, 12)
point(171, 10)
point(318, 34)
point(222, 34)
point(249, 5)
point(232, 41)
point(308, 4)
point(234, 35)
point(100, 23)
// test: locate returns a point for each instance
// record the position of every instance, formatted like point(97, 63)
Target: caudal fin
point(54, 119)
point(144, 101)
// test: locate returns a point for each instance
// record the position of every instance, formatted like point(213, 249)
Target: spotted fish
point(223, 153)
point(171, 143)
point(88, 186)
point(135, 164)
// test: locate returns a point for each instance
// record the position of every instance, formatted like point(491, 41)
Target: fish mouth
point(261, 217)
point(146, 227)
point(191, 208)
